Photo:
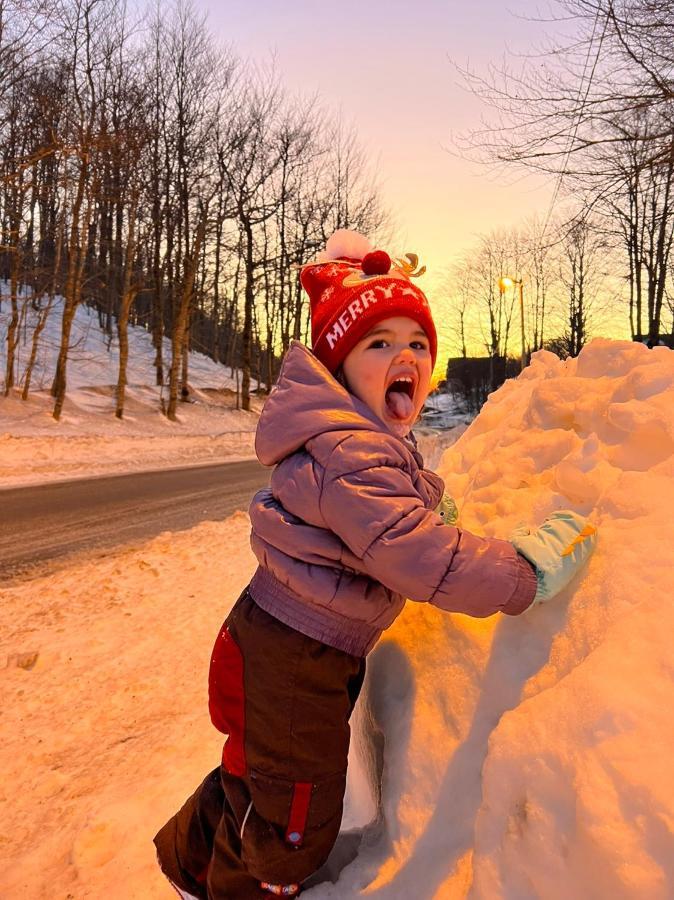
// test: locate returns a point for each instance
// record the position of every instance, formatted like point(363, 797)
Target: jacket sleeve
point(371, 504)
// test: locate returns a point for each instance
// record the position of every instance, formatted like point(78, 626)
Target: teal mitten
point(557, 550)
point(447, 510)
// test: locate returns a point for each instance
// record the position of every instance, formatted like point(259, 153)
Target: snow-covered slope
point(89, 440)
point(525, 758)
point(93, 359)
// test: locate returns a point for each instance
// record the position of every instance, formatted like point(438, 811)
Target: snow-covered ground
point(525, 758)
point(89, 440)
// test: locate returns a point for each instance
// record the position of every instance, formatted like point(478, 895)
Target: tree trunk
point(43, 316)
point(14, 267)
point(185, 362)
point(129, 291)
point(179, 336)
point(76, 255)
point(247, 335)
point(11, 338)
point(664, 244)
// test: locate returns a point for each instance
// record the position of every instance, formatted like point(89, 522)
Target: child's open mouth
point(400, 396)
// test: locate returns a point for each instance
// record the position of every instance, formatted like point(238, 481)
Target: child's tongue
point(399, 404)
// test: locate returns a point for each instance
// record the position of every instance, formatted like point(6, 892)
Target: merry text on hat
point(357, 307)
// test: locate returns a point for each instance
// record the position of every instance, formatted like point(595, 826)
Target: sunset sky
point(386, 66)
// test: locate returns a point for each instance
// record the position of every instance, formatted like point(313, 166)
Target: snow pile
point(524, 758)
point(89, 440)
point(528, 757)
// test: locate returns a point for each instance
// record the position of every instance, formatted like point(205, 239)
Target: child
point(344, 534)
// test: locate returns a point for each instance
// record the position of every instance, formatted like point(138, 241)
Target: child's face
point(390, 371)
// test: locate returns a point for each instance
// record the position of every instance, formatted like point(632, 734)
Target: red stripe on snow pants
point(226, 700)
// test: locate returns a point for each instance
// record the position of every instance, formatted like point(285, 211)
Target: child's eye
point(419, 345)
point(379, 344)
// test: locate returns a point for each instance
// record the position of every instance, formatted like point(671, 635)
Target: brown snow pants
point(271, 812)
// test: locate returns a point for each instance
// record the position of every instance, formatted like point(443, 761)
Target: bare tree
point(251, 157)
point(182, 316)
point(597, 112)
point(150, 175)
point(582, 255)
point(638, 209)
point(459, 303)
point(540, 266)
point(43, 315)
point(84, 23)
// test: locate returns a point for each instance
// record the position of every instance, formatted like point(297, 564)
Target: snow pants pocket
point(284, 700)
point(291, 826)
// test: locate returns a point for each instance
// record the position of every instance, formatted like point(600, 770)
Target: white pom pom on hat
point(345, 244)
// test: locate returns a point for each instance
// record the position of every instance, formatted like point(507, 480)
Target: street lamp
point(503, 284)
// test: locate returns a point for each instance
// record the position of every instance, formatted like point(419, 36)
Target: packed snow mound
point(528, 757)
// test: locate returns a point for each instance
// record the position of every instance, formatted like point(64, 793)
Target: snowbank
point(524, 758)
point(89, 440)
point(529, 757)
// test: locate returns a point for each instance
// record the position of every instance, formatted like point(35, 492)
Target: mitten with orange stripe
point(557, 550)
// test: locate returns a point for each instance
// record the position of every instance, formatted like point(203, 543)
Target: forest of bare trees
point(595, 111)
point(146, 171)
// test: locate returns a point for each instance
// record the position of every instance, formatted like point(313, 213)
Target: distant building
point(472, 379)
point(664, 340)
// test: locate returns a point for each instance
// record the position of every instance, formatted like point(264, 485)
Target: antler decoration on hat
point(409, 264)
point(378, 264)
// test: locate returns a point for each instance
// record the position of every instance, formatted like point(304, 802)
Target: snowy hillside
point(94, 358)
point(89, 439)
point(525, 759)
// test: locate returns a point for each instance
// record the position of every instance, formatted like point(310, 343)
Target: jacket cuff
point(525, 589)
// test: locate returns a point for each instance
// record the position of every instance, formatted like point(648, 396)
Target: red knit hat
point(351, 287)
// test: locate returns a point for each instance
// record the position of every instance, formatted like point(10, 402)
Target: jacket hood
point(307, 401)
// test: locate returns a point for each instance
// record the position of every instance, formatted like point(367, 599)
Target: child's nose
point(405, 354)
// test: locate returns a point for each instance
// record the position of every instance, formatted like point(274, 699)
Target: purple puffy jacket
point(347, 530)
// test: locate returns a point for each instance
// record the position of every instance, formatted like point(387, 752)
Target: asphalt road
point(53, 521)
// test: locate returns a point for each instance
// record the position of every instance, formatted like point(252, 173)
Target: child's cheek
point(373, 383)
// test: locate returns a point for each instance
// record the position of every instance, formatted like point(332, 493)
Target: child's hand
point(447, 510)
point(557, 550)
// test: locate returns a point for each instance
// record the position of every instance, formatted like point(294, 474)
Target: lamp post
point(504, 283)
